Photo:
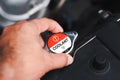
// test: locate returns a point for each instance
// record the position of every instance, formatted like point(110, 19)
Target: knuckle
point(48, 20)
point(21, 22)
point(6, 29)
point(26, 24)
point(65, 57)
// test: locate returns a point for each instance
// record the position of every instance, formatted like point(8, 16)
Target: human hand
point(23, 56)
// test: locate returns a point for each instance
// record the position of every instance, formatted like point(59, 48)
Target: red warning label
point(59, 42)
point(56, 38)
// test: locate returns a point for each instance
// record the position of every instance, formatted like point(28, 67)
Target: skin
point(23, 56)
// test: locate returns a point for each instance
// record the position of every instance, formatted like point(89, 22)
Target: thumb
point(59, 60)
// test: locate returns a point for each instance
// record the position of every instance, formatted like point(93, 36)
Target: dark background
point(82, 15)
point(99, 59)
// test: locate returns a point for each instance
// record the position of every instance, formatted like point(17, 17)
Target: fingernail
point(70, 60)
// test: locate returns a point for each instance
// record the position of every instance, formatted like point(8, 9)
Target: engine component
point(62, 42)
point(16, 10)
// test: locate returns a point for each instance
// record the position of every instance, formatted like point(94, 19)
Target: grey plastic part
point(73, 36)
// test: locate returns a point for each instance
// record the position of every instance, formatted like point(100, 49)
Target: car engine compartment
point(97, 49)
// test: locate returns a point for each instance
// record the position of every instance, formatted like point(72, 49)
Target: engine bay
point(97, 22)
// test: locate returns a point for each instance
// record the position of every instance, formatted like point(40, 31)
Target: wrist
point(14, 72)
point(7, 73)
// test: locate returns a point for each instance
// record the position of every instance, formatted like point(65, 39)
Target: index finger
point(45, 24)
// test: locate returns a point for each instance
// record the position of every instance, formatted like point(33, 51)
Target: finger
point(59, 60)
point(43, 24)
point(41, 42)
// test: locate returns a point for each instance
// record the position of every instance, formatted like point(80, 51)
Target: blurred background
point(71, 14)
point(79, 15)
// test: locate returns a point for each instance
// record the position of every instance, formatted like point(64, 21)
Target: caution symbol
point(55, 38)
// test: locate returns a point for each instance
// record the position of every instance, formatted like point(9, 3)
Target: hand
point(23, 56)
